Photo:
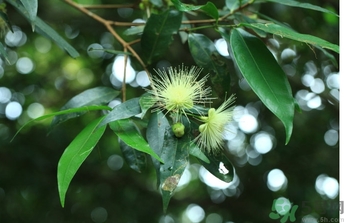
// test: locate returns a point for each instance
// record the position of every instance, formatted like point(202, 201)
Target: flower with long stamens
point(179, 90)
point(211, 131)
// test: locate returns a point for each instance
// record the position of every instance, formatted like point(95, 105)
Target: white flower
point(179, 90)
point(210, 138)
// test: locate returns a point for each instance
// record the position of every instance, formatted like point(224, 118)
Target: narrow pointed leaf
point(75, 154)
point(134, 158)
point(31, 6)
point(93, 96)
point(124, 110)
point(195, 151)
point(264, 75)
point(299, 5)
point(157, 34)
point(126, 130)
point(156, 128)
point(67, 111)
point(45, 30)
point(220, 167)
point(291, 34)
point(176, 157)
point(235, 4)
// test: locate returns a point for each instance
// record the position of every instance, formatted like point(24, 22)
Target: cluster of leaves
point(143, 133)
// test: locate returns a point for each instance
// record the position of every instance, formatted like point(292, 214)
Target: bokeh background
point(41, 78)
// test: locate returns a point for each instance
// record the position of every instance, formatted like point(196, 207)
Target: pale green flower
point(179, 90)
point(212, 130)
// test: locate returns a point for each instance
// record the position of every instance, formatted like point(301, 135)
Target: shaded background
point(41, 78)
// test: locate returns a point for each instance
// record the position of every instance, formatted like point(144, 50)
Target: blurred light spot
point(331, 137)
point(12, 57)
point(309, 219)
point(212, 181)
point(314, 102)
point(231, 131)
point(274, 43)
point(307, 80)
point(134, 83)
point(185, 179)
point(311, 68)
point(276, 180)
point(288, 55)
point(166, 219)
point(118, 69)
point(16, 38)
point(214, 218)
point(282, 205)
point(24, 65)
point(262, 142)
point(99, 215)
point(107, 38)
point(142, 79)
point(71, 68)
point(85, 76)
point(289, 70)
point(114, 103)
point(95, 50)
point(125, 12)
point(244, 85)
point(195, 213)
point(326, 185)
point(35, 110)
point(115, 162)
point(5, 95)
point(248, 123)
point(13, 110)
point(221, 46)
point(71, 32)
point(217, 196)
point(332, 81)
point(42, 44)
point(318, 86)
point(335, 94)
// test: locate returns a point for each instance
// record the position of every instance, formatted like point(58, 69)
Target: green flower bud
point(178, 129)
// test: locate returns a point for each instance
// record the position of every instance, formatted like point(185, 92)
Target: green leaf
point(126, 130)
point(209, 8)
point(290, 34)
point(31, 7)
point(264, 75)
point(157, 34)
point(220, 167)
point(195, 151)
point(67, 111)
point(298, 4)
point(45, 30)
point(245, 19)
point(93, 96)
point(176, 157)
point(134, 158)
point(75, 154)
point(124, 110)
point(146, 103)
point(4, 53)
point(206, 56)
point(235, 4)
point(157, 125)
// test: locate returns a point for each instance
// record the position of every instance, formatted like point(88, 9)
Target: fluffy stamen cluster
point(211, 131)
point(179, 90)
